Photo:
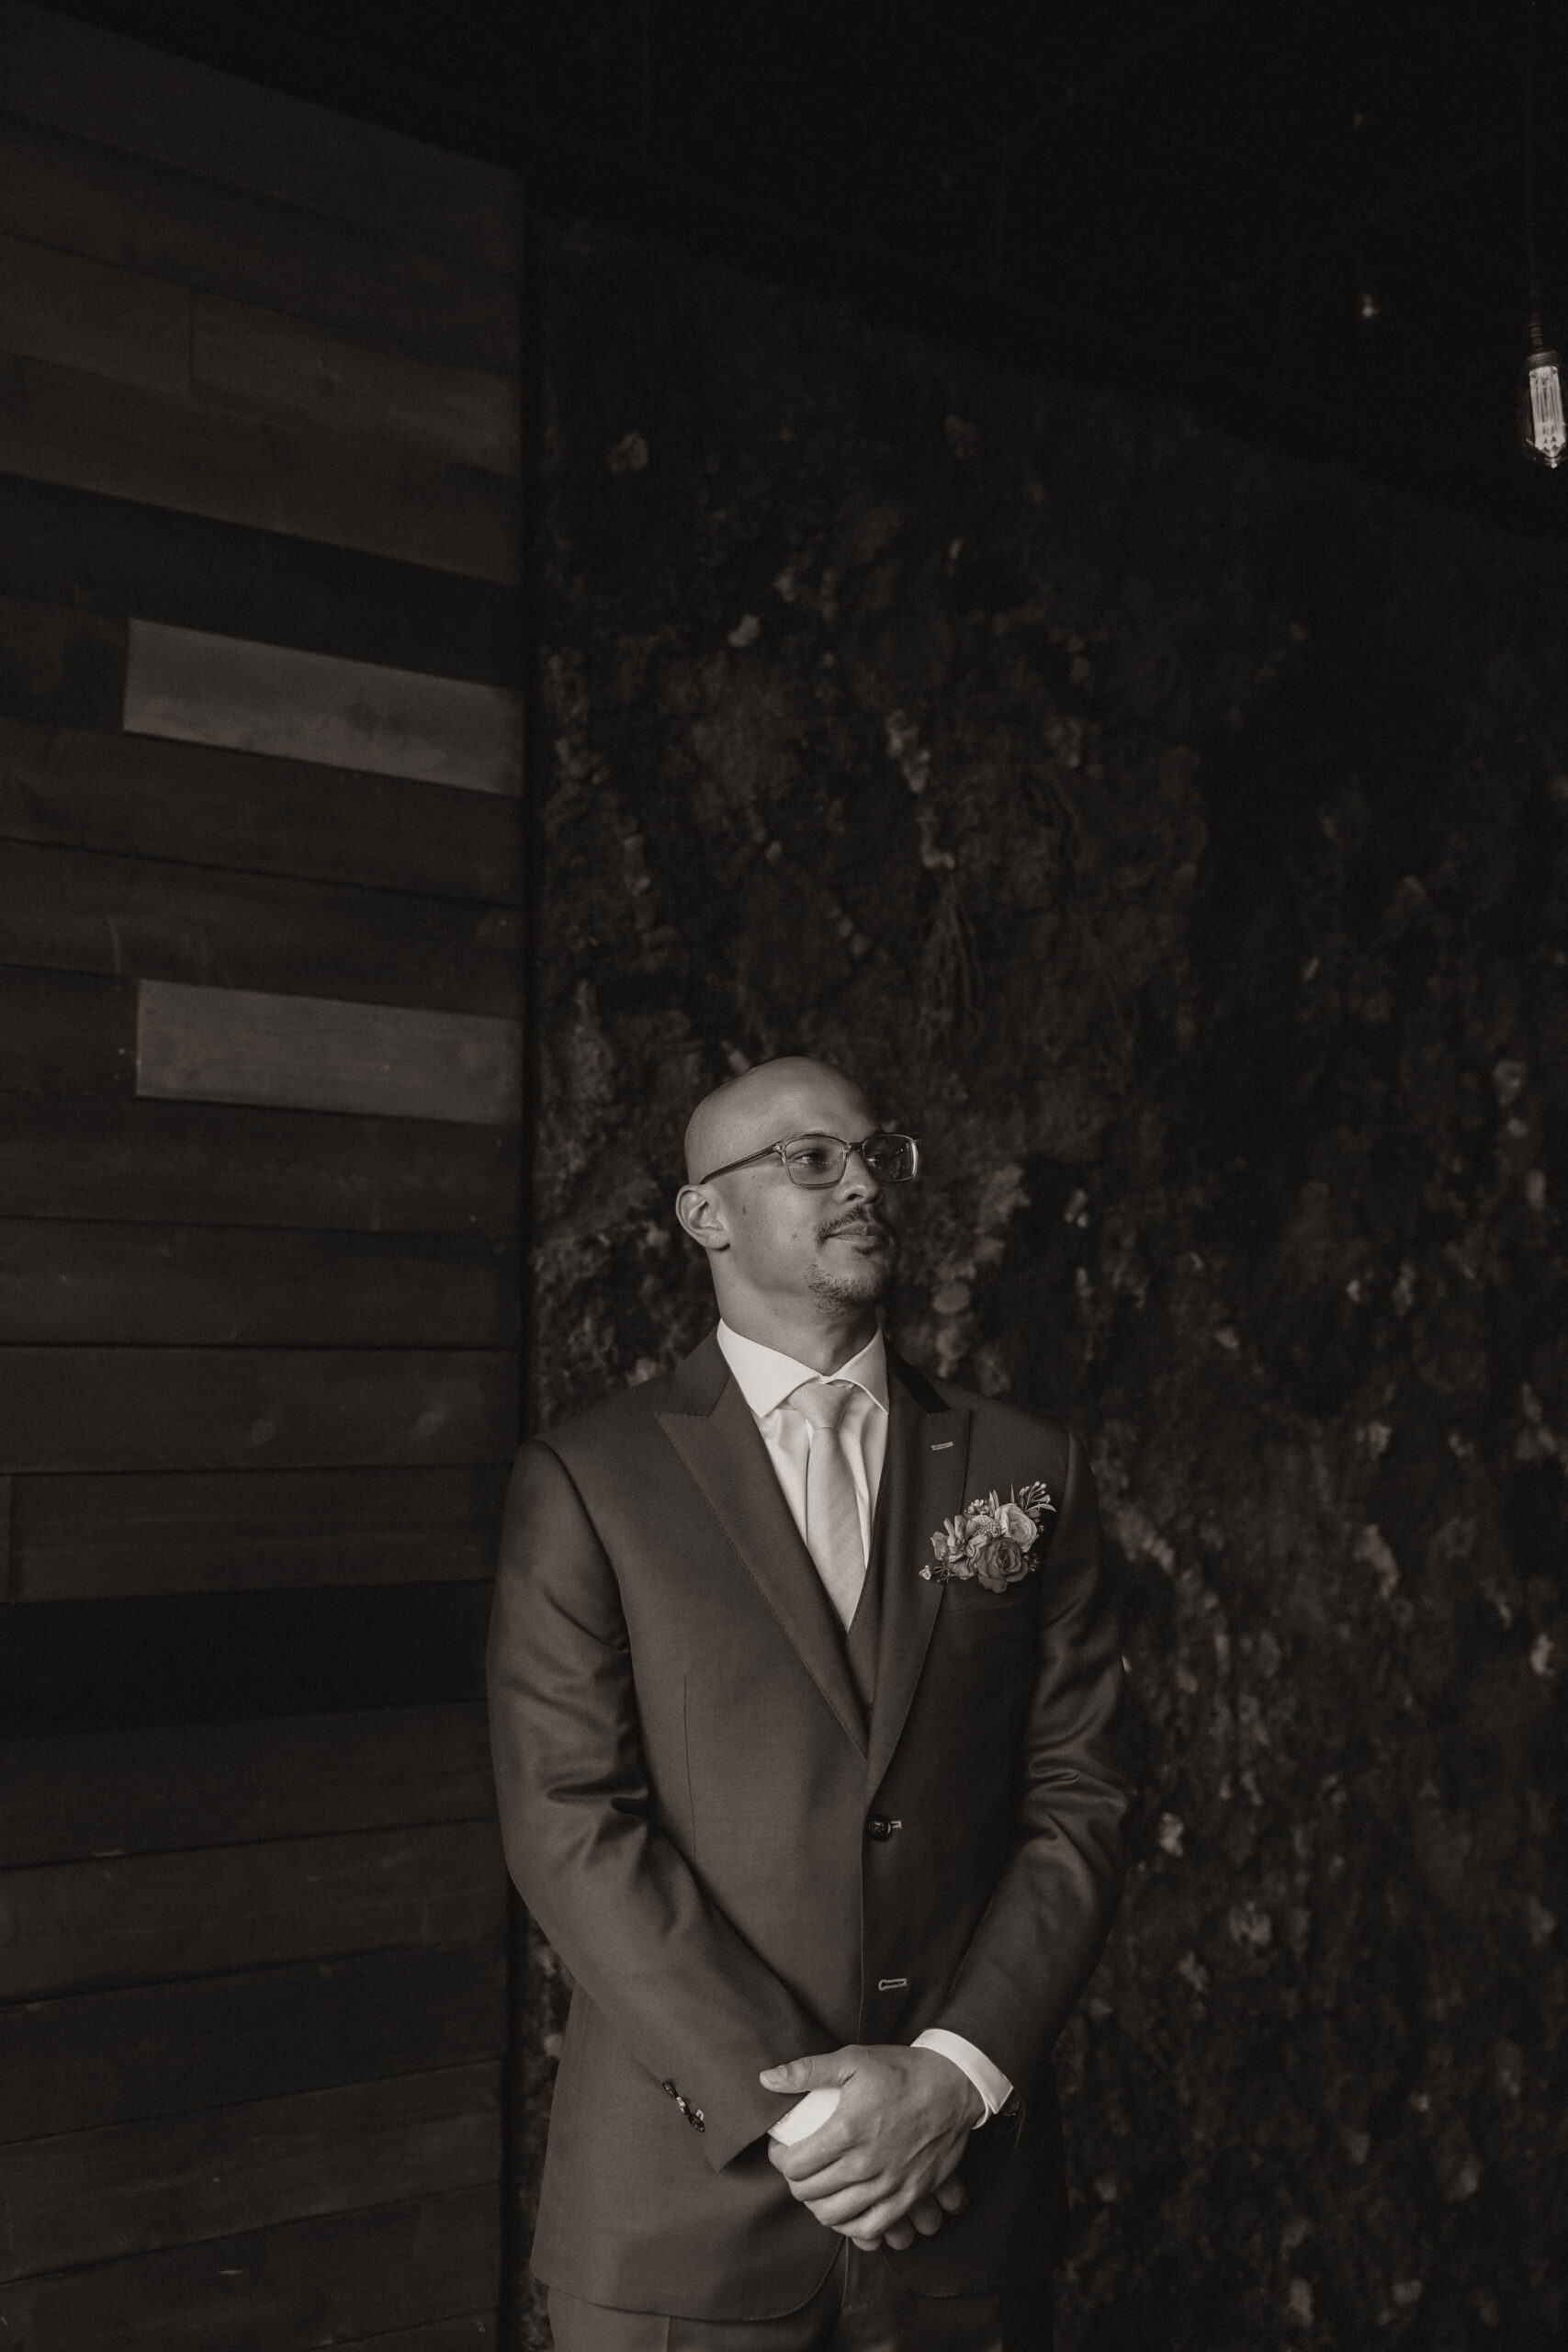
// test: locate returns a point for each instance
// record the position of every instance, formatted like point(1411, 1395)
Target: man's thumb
point(807, 2074)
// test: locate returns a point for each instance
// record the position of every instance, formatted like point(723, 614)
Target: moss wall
point(1176, 839)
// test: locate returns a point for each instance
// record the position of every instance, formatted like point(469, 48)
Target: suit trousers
point(860, 2307)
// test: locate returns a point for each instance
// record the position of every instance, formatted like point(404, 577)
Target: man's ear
point(701, 1217)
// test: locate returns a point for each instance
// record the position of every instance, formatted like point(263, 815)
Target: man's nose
point(858, 1182)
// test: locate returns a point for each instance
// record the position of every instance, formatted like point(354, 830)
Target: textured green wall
point(1176, 839)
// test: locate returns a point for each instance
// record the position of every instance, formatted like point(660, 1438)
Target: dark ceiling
point(1308, 224)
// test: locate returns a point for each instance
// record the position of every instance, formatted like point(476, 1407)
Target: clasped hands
point(884, 2165)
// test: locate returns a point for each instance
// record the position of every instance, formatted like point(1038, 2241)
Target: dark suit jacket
point(686, 1777)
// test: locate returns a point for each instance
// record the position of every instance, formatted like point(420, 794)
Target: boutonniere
point(990, 1540)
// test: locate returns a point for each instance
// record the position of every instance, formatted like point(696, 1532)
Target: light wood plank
point(100, 2058)
point(60, 666)
point(61, 424)
point(239, 810)
point(319, 2283)
point(120, 1537)
point(65, 1033)
point(213, 1164)
point(194, 688)
point(81, 313)
point(301, 1053)
point(76, 1797)
point(221, 1408)
point(80, 910)
point(109, 205)
point(88, 1927)
point(74, 1281)
point(174, 111)
point(98, 2196)
point(265, 364)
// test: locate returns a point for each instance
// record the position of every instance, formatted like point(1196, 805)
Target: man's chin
point(860, 1281)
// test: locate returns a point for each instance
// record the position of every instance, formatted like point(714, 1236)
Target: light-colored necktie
point(832, 1512)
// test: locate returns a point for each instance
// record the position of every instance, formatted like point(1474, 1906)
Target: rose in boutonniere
point(991, 1541)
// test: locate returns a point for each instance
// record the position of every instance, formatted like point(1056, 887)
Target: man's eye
point(813, 1158)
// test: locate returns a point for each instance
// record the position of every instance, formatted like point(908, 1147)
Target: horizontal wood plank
point(174, 111)
point(61, 424)
point(59, 666)
point(111, 557)
point(72, 1281)
point(99, 2196)
point(111, 206)
point(101, 2058)
point(204, 1045)
point(320, 2282)
point(191, 803)
point(217, 1532)
point(81, 911)
point(69, 1155)
point(88, 1926)
point(78, 1667)
point(173, 1786)
point(65, 1033)
point(223, 1408)
point(158, 337)
point(263, 364)
point(79, 313)
point(198, 688)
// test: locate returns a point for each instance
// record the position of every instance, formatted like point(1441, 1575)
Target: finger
point(876, 2221)
point(868, 2210)
point(822, 2073)
point(819, 2166)
point(952, 2194)
point(866, 2246)
point(843, 2210)
point(927, 2217)
point(898, 2236)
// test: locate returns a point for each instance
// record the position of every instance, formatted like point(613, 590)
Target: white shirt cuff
point(808, 2115)
point(990, 2081)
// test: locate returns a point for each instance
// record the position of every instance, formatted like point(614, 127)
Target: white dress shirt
point(767, 1379)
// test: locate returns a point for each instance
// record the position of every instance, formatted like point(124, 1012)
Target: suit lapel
point(922, 1483)
point(720, 1444)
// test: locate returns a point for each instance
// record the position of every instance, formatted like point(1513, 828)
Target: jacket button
point(879, 1826)
point(695, 2117)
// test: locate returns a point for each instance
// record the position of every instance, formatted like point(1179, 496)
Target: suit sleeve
point(690, 1999)
point(1043, 1932)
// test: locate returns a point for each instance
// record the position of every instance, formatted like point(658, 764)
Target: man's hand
point(882, 2165)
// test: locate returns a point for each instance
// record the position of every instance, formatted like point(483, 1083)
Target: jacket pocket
point(972, 1599)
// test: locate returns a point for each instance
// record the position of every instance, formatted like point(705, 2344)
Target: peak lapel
point(723, 1448)
point(922, 1483)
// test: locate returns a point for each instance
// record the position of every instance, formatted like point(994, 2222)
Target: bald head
point(790, 1096)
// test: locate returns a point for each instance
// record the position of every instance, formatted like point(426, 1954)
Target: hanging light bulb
point(1543, 434)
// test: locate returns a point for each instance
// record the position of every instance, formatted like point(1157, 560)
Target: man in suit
point(812, 1783)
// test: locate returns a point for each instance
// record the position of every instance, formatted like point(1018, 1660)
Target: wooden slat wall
point(260, 752)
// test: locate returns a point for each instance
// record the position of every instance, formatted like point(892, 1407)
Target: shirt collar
point(765, 1376)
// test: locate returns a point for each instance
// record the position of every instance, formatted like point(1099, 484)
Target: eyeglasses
point(820, 1161)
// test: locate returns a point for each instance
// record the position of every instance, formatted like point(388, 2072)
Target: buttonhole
point(892, 1984)
point(945, 1447)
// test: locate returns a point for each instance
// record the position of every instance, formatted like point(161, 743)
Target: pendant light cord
point(1536, 332)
